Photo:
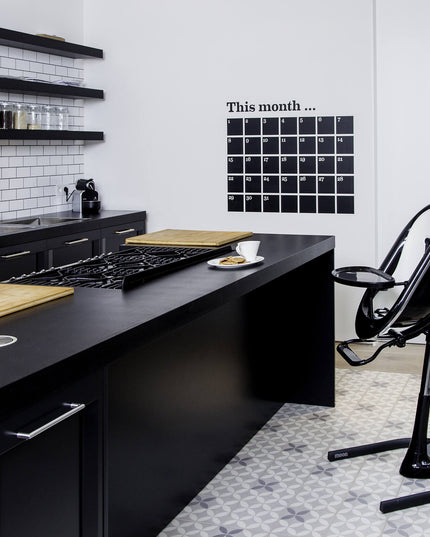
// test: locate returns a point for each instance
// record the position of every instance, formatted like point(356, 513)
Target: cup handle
point(238, 249)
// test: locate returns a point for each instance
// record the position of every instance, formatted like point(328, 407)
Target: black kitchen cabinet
point(180, 400)
point(71, 248)
point(113, 237)
point(21, 259)
point(51, 464)
point(41, 248)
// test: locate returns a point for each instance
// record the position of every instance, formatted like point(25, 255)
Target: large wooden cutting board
point(14, 297)
point(187, 237)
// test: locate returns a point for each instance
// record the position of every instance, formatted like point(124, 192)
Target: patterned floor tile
point(281, 484)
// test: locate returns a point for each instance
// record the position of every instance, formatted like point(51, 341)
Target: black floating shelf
point(12, 38)
point(53, 90)
point(18, 134)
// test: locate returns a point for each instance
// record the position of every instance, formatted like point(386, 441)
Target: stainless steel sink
point(36, 221)
point(5, 228)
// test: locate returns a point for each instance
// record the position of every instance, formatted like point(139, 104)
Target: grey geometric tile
point(281, 483)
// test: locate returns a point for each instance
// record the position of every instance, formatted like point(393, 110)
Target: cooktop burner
point(121, 270)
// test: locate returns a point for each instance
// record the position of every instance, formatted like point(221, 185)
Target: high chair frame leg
point(416, 463)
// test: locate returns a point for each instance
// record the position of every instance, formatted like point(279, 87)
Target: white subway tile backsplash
point(8, 195)
point(23, 151)
point(54, 160)
point(61, 71)
point(62, 170)
point(16, 205)
point(43, 160)
point(15, 53)
point(42, 57)
point(16, 183)
point(22, 64)
point(8, 63)
point(23, 193)
point(30, 203)
point(8, 173)
point(23, 172)
point(8, 151)
point(49, 190)
point(36, 192)
point(36, 150)
point(30, 161)
point(48, 69)
point(43, 181)
point(49, 150)
point(43, 202)
point(30, 181)
point(16, 161)
point(28, 54)
point(30, 171)
point(36, 170)
point(9, 214)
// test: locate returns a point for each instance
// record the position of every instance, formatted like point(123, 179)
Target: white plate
point(215, 263)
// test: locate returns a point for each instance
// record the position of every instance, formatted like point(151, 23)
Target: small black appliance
point(85, 197)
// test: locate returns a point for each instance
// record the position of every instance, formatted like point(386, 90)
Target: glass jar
point(49, 118)
point(6, 116)
point(33, 117)
point(19, 116)
point(63, 118)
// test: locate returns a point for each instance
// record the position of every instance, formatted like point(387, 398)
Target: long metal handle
point(77, 241)
point(75, 407)
point(18, 254)
point(124, 231)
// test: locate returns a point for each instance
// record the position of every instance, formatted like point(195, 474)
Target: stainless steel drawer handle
point(74, 408)
point(120, 232)
point(18, 254)
point(77, 241)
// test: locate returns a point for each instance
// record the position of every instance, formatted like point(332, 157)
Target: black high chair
point(394, 309)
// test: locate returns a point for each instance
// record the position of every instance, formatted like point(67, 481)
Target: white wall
point(53, 17)
point(170, 67)
point(403, 51)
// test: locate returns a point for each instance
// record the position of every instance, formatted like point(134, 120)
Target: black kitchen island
point(183, 371)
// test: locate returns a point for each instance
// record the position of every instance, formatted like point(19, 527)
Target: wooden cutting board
point(14, 297)
point(186, 237)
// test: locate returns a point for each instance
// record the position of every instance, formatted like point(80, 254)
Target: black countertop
point(103, 219)
point(91, 324)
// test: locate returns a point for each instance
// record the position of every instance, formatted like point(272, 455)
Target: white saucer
point(215, 263)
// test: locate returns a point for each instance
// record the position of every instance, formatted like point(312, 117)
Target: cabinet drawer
point(71, 248)
point(113, 237)
point(21, 259)
point(50, 465)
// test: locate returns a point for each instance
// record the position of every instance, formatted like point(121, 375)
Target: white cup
point(248, 249)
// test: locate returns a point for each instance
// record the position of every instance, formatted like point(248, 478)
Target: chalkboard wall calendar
point(291, 164)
